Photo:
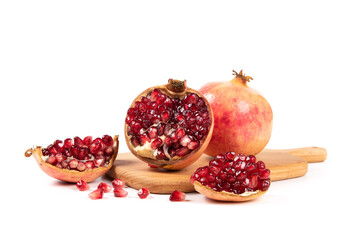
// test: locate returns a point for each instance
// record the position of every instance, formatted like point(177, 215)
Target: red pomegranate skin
point(242, 117)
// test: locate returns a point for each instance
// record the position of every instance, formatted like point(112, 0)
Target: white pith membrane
point(197, 110)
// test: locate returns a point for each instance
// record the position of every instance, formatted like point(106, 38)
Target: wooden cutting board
point(283, 164)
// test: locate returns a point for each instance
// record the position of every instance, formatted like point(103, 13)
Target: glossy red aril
point(77, 159)
point(120, 192)
point(177, 196)
point(96, 194)
point(105, 187)
point(143, 193)
point(117, 183)
point(234, 174)
point(82, 185)
point(169, 126)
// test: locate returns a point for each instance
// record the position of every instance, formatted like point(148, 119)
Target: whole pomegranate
point(242, 116)
point(169, 126)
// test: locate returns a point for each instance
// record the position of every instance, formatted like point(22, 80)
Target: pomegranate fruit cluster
point(166, 124)
point(80, 154)
point(234, 173)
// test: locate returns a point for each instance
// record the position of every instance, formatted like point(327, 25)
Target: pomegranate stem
point(176, 85)
point(242, 76)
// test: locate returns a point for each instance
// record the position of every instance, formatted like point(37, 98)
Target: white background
point(72, 68)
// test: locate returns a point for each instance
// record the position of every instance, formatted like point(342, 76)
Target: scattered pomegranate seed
point(97, 194)
point(177, 196)
point(105, 187)
point(143, 193)
point(120, 193)
point(82, 185)
point(117, 183)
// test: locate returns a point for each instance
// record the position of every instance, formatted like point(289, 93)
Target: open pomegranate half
point(169, 126)
point(232, 177)
point(77, 159)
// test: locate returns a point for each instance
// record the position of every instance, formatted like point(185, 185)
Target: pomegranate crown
point(242, 76)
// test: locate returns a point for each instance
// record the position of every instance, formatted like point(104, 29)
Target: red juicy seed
point(160, 98)
point(82, 153)
point(214, 169)
point(165, 116)
point(254, 181)
point(168, 141)
point(185, 141)
point(73, 164)
point(240, 157)
point(168, 102)
point(89, 164)
point(265, 184)
point(200, 103)
point(182, 151)
point(161, 108)
point(64, 164)
point(99, 161)
point(210, 177)
point(230, 155)
point(153, 105)
point(177, 196)
point(68, 143)
point(223, 175)
point(156, 143)
point(202, 171)
point(135, 141)
point(241, 175)
point(51, 159)
point(78, 142)
point(120, 193)
point(180, 133)
point(142, 108)
point(45, 152)
point(107, 140)
point(216, 162)
point(81, 166)
point(260, 165)
point(52, 150)
point(161, 128)
point(82, 185)
point(136, 127)
point(117, 183)
point(239, 165)
point(173, 137)
point(153, 132)
point(143, 193)
point(105, 187)
point(264, 173)
point(99, 141)
point(95, 147)
point(97, 194)
point(160, 154)
point(154, 94)
point(87, 141)
point(59, 146)
point(231, 179)
point(193, 145)
point(250, 158)
point(245, 183)
point(60, 157)
point(194, 177)
point(74, 151)
point(109, 151)
point(67, 152)
point(144, 138)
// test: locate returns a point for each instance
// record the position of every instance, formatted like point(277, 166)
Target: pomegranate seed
point(177, 196)
point(82, 185)
point(82, 153)
point(117, 183)
point(135, 141)
point(45, 152)
point(120, 192)
point(193, 145)
point(105, 187)
point(95, 147)
point(97, 194)
point(182, 151)
point(109, 151)
point(73, 164)
point(99, 161)
point(74, 151)
point(81, 166)
point(89, 164)
point(143, 193)
point(144, 138)
point(52, 150)
point(87, 141)
point(108, 140)
point(153, 132)
point(100, 142)
point(51, 159)
point(156, 143)
point(78, 142)
point(59, 157)
point(59, 146)
point(68, 143)
point(233, 173)
point(67, 152)
point(64, 164)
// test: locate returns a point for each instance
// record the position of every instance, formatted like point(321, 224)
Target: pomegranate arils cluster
point(80, 154)
point(234, 173)
point(168, 126)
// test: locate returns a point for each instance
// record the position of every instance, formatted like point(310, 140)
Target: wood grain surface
point(283, 164)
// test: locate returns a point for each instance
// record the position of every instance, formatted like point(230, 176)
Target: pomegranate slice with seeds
point(75, 159)
point(231, 177)
point(169, 126)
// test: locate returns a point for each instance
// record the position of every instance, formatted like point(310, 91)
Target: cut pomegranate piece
point(177, 196)
point(86, 159)
point(235, 174)
point(120, 192)
point(143, 193)
point(82, 185)
point(97, 194)
point(169, 126)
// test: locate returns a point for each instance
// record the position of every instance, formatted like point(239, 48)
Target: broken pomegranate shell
point(169, 126)
point(73, 161)
point(231, 177)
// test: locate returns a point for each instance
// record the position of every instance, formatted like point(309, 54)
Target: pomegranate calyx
point(176, 86)
point(28, 152)
point(241, 76)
